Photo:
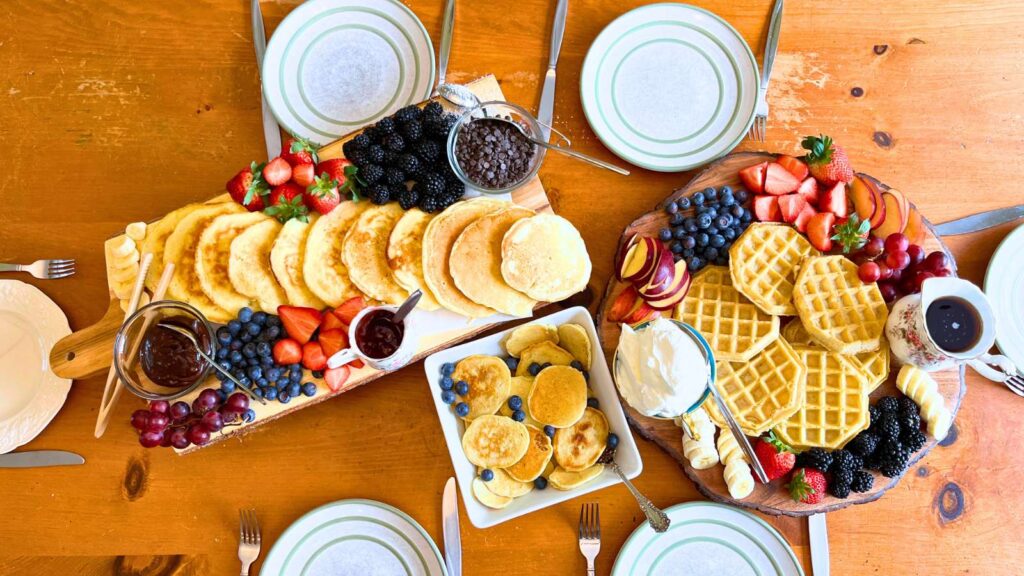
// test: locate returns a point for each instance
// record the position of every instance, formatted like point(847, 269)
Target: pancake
point(495, 441)
point(441, 234)
point(578, 447)
point(181, 250)
point(213, 258)
point(536, 459)
point(562, 479)
point(488, 498)
point(156, 238)
point(503, 484)
point(325, 274)
point(286, 258)
point(365, 253)
point(249, 265)
point(545, 258)
point(527, 335)
point(544, 352)
point(574, 338)
point(405, 255)
point(489, 380)
point(558, 396)
point(475, 263)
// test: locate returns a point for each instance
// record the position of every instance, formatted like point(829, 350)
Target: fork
point(43, 269)
point(759, 128)
point(1015, 384)
point(248, 539)
point(590, 534)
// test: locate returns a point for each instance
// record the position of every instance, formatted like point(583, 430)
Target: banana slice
point(136, 231)
point(121, 248)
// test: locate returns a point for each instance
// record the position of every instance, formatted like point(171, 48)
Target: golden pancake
point(545, 258)
point(249, 265)
point(519, 386)
point(505, 485)
point(405, 255)
point(579, 446)
point(438, 240)
point(575, 339)
point(536, 459)
point(213, 259)
point(558, 396)
point(365, 253)
point(322, 267)
point(495, 441)
point(488, 498)
point(489, 380)
point(475, 263)
point(181, 250)
point(561, 479)
point(527, 335)
point(156, 238)
point(286, 260)
point(545, 352)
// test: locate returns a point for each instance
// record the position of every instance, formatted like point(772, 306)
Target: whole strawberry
point(323, 195)
point(807, 485)
point(248, 188)
point(297, 151)
point(827, 161)
point(287, 202)
point(345, 173)
point(776, 457)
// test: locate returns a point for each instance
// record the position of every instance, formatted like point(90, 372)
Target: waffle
point(874, 363)
point(735, 328)
point(839, 311)
point(835, 402)
point(762, 392)
point(763, 264)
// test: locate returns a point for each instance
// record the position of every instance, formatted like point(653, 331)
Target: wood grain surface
point(117, 110)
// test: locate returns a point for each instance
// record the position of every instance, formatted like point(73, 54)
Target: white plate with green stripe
point(354, 538)
point(669, 87)
point(711, 540)
point(334, 66)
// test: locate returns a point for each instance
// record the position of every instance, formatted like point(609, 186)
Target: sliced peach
point(867, 201)
point(896, 217)
point(915, 227)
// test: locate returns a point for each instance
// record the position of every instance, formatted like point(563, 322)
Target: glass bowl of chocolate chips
point(491, 155)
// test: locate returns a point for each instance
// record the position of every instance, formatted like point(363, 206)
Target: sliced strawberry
point(331, 322)
point(803, 217)
point(834, 201)
point(302, 174)
point(313, 357)
point(624, 304)
point(349, 308)
point(778, 180)
point(753, 177)
point(791, 205)
point(287, 351)
point(277, 171)
point(299, 322)
point(298, 152)
point(809, 190)
point(766, 208)
point(332, 341)
point(794, 166)
point(336, 377)
point(819, 230)
point(357, 363)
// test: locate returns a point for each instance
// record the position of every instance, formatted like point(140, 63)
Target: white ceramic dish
point(1004, 285)
point(627, 455)
point(30, 394)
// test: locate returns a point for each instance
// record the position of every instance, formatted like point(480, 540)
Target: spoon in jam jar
point(191, 338)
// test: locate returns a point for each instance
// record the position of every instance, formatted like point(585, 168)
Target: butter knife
point(980, 221)
point(818, 532)
point(39, 458)
point(452, 539)
point(271, 131)
point(447, 31)
point(546, 109)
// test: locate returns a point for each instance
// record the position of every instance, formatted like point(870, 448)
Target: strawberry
point(344, 172)
point(248, 190)
point(331, 322)
point(766, 208)
point(775, 456)
point(323, 195)
point(753, 177)
point(333, 340)
point(299, 323)
point(804, 217)
point(287, 351)
point(778, 180)
point(852, 232)
point(809, 190)
point(277, 171)
point(791, 205)
point(357, 363)
point(349, 308)
point(298, 152)
point(819, 230)
point(827, 161)
point(807, 485)
point(286, 202)
point(302, 174)
point(313, 357)
point(834, 201)
point(794, 166)
point(336, 377)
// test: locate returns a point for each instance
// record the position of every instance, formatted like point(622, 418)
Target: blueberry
point(236, 357)
point(545, 365)
point(245, 337)
point(234, 327)
point(747, 216)
point(448, 397)
point(273, 332)
point(223, 336)
point(694, 264)
point(702, 239)
point(698, 199)
point(296, 367)
point(245, 314)
point(711, 211)
point(221, 395)
point(244, 380)
point(294, 389)
point(687, 253)
point(612, 441)
point(284, 397)
point(680, 233)
point(228, 387)
point(512, 363)
point(252, 362)
point(703, 221)
point(671, 208)
point(736, 211)
point(515, 402)
point(447, 369)
point(273, 373)
point(462, 387)
point(262, 382)
point(519, 415)
point(254, 329)
point(309, 389)
point(273, 321)
point(690, 225)
point(462, 409)
point(723, 221)
point(447, 383)
point(249, 350)
point(742, 196)
point(717, 241)
point(534, 369)
point(710, 253)
point(664, 235)
point(676, 247)
point(235, 345)
point(710, 193)
point(295, 375)
point(577, 365)
point(722, 260)
point(259, 318)
point(688, 242)
point(249, 415)
point(258, 392)
point(263, 349)
point(540, 482)
point(486, 475)
point(222, 353)
point(317, 374)
point(676, 219)
point(593, 402)
point(684, 203)
point(586, 376)
point(549, 431)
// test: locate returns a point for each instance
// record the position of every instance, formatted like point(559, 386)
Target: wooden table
point(115, 111)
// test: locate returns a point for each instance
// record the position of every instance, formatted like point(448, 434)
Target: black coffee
point(953, 324)
point(492, 153)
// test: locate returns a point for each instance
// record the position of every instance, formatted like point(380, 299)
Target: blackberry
point(839, 490)
point(408, 163)
point(814, 458)
point(348, 148)
point(446, 200)
point(428, 204)
point(386, 126)
point(888, 404)
point(439, 127)
point(395, 142)
point(371, 173)
point(361, 141)
point(909, 421)
point(889, 427)
point(390, 157)
point(408, 199)
point(433, 184)
point(913, 440)
point(412, 131)
point(862, 481)
point(394, 175)
point(892, 458)
point(908, 406)
point(842, 478)
point(358, 157)
point(410, 113)
point(428, 150)
point(874, 413)
point(456, 189)
point(373, 134)
point(375, 154)
point(863, 445)
point(843, 460)
point(433, 109)
point(380, 194)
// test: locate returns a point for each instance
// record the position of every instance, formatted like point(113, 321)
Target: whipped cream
point(661, 370)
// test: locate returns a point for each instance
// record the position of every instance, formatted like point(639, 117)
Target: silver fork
point(1016, 384)
point(248, 539)
point(43, 269)
point(590, 534)
point(759, 128)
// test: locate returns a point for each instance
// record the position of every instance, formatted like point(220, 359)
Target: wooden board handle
point(90, 350)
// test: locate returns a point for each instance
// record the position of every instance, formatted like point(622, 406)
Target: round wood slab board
point(771, 498)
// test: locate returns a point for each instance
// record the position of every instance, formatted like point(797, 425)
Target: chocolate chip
point(492, 153)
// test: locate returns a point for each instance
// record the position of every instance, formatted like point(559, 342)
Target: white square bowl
point(627, 456)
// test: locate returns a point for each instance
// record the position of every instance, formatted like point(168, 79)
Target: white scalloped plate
point(30, 394)
point(1004, 285)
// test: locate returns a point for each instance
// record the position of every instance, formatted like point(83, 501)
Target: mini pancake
point(527, 335)
point(475, 263)
point(558, 396)
point(536, 459)
point(488, 498)
point(286, 260)
point(489, 380)
point(405, 255)
point(156, 238)
point(545, 352)
point(181, 250)
point(322, 268)
point(562, 479)
point(440, 236)
point(213, 258)
point(249, 265)
point(574, 338)
point(579, 446)
point(504, 485)
point(545, 258)
point(365, 253)
point(519, 386)
point(495, 441)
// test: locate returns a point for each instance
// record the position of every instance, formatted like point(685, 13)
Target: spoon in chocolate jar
point(191, 338)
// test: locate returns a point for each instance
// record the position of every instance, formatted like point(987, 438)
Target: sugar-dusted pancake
point(488, 498)
point(156, 239)
point(495, 441)
point(545, 258)
point(249, 265)
point(574, 338)
point(181, 250)
point(286, 259)
point(536, 459)
point(441, 234)
point(544, 352)
point(558, 396)
point(405, 255)
point(322, 267)
point(213, 258)
point(579, 446)
point(475, 263)
point(489, 380)
point(527, 335)
point(365, 253)
point(561, 479)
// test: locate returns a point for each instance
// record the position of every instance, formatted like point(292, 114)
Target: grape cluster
point(898, 266)
point(181, 425)
point(704, 237)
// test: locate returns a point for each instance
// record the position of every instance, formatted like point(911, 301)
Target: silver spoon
point(407, 306)
point(656, 517)
point(191, 338)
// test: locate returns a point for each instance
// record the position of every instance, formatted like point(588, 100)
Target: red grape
point(238, 402)
point(205, 402)
point(869, 272)
point(920, 277)
point(198, 434)
point(944, 273)
point(178, 439)
point(896, 242)
point(150, 439)
point(937, 261)
point(860, 258)
point(165, 441)
point(894, 275)
point(157, 422)
point(874, 247)
point(180, 411)
point(916, 253)
point(897, 259)
point(884, 272)
point(888, 290)
point(212, 421)
point(159, 406)
point(140, 419)
point(227, 415)
point(908, 285)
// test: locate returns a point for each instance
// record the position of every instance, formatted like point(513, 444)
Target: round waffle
point(874, 363)
point(495, 441)
point(763, 264)
point(837, 309)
